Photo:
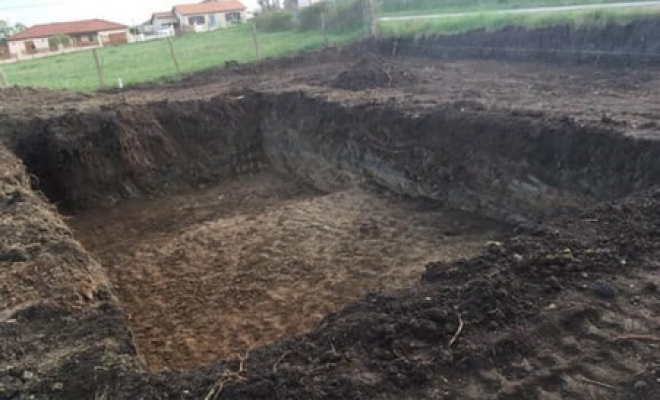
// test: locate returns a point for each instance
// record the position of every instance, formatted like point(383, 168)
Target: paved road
point(529, 10)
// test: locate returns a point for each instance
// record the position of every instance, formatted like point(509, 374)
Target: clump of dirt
point(371, 72)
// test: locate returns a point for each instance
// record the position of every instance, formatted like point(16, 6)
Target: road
point(528, 10)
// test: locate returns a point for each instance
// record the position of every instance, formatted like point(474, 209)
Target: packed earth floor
point(301, 230)
point(216, 273)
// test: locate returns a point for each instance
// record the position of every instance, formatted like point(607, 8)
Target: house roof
point(164, 14)
point(67, 28)
point(210, 7)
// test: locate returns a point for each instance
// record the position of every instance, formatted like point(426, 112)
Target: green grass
point(492, 21)
point(415, 7)
point(151, 61)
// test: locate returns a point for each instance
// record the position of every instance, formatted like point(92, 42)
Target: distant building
point(197, 17)
point(209, 15)
point(164, 20)
point(47, 38)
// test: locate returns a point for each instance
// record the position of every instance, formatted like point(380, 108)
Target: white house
point(208, 15)
point(164, 20)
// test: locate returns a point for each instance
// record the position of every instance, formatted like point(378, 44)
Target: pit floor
point(216, 272)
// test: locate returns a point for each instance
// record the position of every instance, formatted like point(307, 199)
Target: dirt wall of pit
point(636, 44)
point(508, 166)
point(57, 311)
point(100, 158)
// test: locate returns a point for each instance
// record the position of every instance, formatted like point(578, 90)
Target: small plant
point(276, 21)
point(57, 41)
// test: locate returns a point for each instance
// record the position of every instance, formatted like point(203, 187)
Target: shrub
point(347, 16)
point(56, 41)
point(310, 17)
point(274, 21)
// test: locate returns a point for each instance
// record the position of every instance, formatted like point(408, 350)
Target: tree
point(290, 4)
point(269, 5)
point(7, 29)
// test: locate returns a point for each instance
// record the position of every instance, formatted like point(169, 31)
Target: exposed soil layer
point(613, 45)
point(209, 275)
point(266, 209)
point(511, 167)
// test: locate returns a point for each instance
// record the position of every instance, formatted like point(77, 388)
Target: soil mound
point(371, 72)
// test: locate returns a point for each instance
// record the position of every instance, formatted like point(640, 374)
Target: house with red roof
point(47, 38)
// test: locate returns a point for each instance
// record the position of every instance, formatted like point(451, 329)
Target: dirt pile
point(371, 72)
point(56, 308)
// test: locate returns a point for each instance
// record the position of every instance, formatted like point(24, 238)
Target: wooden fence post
point(3, 78)
point(323, 29)
point(99, 69)
point(373, 18)
point(255, 39)
point(174, 59)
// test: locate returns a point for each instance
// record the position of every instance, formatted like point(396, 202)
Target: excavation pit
point(228, 225)
point(286, 230)
point(221, 271)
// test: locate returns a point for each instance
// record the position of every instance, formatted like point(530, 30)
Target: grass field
point(491, 21)
point(414, 7)
point(151, 61)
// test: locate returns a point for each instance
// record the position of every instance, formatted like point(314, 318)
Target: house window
point(233, 17)
point(197, 20)
point(90, 38)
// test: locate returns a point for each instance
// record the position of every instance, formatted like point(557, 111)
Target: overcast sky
point(31, 12)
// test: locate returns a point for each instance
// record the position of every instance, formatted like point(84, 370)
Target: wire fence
point(173, 57)
point(170, 58)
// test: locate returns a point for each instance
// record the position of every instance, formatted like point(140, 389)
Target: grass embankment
point(415, 7)
point(492, 21)
point(151, 61)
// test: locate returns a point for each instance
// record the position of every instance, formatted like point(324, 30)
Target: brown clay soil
point(258, 274)
point(208, 275)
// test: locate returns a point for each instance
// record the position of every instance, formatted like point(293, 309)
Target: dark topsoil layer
point(634, 44)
